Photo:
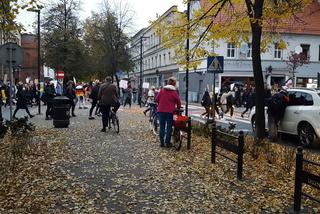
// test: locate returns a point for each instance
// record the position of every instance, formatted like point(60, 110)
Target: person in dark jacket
point(249, 100)
point(70, 92)
point(22, 101)
point(108, 97)
point(50, 93)
point(207, 104)
point(94, 96)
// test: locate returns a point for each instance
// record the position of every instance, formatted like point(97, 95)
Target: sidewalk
point(87, 171)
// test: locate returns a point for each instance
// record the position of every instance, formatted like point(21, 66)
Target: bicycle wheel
point(155, 125)
point(151, 117)
point(115, 123)
point(177, 138)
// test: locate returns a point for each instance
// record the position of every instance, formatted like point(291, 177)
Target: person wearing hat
point(168, 100)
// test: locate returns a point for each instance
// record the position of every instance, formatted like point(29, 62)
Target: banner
point(145, 85)
point(123, 84)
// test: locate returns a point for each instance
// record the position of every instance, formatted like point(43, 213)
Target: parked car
point(302, 115)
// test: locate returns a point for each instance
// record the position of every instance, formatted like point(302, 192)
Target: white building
point(158, 65)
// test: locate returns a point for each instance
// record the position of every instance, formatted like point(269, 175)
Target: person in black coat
point(70, 92)
point(94, 97)
point(249, 100)
point(206, 103)
point(22, 101)
point(50, 93)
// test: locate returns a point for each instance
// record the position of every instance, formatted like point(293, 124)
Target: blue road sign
point(215, 64)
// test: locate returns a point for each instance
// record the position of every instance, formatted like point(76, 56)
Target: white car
point(302, 115)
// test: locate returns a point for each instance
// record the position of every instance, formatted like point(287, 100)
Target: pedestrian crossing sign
point(215, 64)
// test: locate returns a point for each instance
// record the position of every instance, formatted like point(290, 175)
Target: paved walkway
point(87, 171)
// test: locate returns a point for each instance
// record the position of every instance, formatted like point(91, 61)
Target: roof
point(307, 22)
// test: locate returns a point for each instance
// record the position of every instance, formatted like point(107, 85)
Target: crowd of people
point(229, 98)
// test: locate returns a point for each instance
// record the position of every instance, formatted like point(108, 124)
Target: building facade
point(157, 65)
point(29, 67)
point(151, 59)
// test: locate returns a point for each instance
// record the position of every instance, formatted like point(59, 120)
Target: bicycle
point(180, 128)
point(153, 119)
point(114, 121)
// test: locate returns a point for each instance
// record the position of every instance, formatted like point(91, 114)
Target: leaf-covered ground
point(81, 170)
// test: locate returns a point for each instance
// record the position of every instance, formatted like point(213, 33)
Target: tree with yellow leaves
point(9, 9)
point(235, 21)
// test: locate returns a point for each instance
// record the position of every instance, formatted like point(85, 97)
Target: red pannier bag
point(181, 122)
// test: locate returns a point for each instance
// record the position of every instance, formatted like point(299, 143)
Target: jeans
point(166, 122)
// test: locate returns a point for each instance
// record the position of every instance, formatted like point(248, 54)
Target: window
point(148, 63)
point(151, 41)
point(156, 60)
point(231, 50)
point(305, 50)
point(152, 62)
point(164, 59)
point(145, 65)
point(249, 54)
point(169, 56)
point(319, 52)
point(159, 60)
point(277, 51)
point(300, 98)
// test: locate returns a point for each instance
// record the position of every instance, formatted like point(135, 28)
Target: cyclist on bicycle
point(150, 99)
point(107, 97)
point(167, 99)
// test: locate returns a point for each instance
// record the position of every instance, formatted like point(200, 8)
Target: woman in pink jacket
point(168, 100)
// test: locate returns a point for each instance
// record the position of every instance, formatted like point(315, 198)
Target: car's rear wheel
point(306, 134)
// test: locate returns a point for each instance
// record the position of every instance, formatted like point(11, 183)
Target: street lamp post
point(39, 59)
point(187, 59)
point(140, 85)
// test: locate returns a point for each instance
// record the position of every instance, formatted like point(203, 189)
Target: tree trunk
point(257, 70)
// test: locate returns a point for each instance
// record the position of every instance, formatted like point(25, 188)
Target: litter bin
point(61, 112)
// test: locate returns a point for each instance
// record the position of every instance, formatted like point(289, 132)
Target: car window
point(297, 98)
point(308, 99)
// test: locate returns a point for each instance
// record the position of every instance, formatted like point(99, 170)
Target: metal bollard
point(240, 155)
point(189, 133)
point(213, 142)
point(298, 180)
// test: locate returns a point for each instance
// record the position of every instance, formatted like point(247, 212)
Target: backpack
point(276, 103)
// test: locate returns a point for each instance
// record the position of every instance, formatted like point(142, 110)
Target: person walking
point(70, 92)
point(167, 100)
point(22, 101)
point(50, 93)
point(249, 100)
point(276, 109)
point(207, 104)
point(128, 97)
point(94, 96)
point(107, 97)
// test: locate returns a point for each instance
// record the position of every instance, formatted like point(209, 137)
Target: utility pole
point(39, 62)
point(141, 56)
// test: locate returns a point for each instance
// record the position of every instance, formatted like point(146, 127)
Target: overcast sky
point(144, 11)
